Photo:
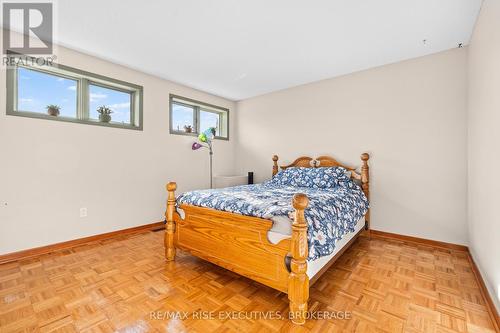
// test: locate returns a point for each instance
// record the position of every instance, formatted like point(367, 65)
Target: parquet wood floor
point(125, 285)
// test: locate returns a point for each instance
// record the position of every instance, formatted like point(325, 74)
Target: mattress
point(282, 229)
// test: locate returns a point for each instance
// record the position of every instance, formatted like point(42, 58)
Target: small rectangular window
point(63, 93)
point(183, 117)
point(118, 101)
point(39, 90)
point(190, 117)
point(210, 119)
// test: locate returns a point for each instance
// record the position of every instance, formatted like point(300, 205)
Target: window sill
point(71, 120)
point(195, 134)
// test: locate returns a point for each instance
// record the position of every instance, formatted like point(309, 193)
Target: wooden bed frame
point(239, 243)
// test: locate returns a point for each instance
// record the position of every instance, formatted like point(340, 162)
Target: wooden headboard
point(326, 161)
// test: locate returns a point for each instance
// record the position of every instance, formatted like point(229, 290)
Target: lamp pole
point(211, 153)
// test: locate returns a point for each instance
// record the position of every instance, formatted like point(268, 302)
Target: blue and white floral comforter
point(336, 203)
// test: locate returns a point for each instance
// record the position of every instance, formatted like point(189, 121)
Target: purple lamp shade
point(196, 146)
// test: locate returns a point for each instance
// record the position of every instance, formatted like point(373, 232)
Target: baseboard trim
point(490, 305)
point(29, 253)
point(492, 310)
point(411, 239)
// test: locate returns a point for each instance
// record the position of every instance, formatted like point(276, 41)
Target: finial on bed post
point(365, 184)
point(170, 225)
point(275, 165)
point(298, 281)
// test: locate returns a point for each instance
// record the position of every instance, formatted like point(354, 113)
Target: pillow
point(327, 177)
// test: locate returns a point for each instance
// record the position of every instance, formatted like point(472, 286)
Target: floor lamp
point(205, 141)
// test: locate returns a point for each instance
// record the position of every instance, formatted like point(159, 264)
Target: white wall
point(484, 143)
point(411, 118)
point(49, 169)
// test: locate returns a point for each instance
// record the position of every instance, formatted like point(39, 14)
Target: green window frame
point(84, 81)
point(198, 107)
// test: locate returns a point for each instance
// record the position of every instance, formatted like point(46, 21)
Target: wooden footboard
point(236, 242)
point(239, 243)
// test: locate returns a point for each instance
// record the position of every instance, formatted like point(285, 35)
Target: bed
point(283, 233)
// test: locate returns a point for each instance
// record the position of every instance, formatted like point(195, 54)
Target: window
point(34, 89)
point(66, 94)
point(118, 101)
point(182, 116)
point(190, 117)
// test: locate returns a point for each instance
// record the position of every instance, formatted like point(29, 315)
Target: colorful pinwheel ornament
point(205, 141)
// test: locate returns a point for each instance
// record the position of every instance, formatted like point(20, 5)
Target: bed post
point(275, 164)
point(365, 185)
point(298, 281)
point(170, 226)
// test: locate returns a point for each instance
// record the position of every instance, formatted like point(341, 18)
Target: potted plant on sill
point(188, 128)
point(53, 110)
point(104, 114)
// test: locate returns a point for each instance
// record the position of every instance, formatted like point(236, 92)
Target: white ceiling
point(239, 49)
